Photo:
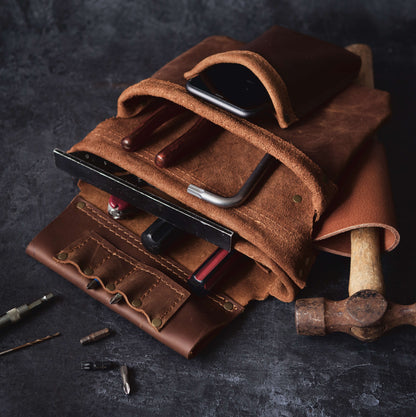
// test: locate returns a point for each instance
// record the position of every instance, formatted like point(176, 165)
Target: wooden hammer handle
point(365, 273)
point(365, 270)
point(366, 75)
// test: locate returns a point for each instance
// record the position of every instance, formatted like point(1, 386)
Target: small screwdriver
point(212, 270)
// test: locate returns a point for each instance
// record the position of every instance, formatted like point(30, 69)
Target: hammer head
point(318, 316)
point(310, 316)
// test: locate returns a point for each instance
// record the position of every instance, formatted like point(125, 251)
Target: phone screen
point(232, 87)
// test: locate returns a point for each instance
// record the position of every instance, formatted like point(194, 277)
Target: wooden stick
point(365, 270)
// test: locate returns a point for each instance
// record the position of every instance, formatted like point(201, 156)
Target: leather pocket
point(81, 242)
point(276, 223)
point(145, 289)
point(299, 72)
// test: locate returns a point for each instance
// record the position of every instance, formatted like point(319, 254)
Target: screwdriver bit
point(116, 298)
point(93, 337)
point(93, 284)
point(16, 314)
point(125, 377)
point(97, 365)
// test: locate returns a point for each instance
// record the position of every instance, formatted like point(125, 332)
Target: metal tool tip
point(48, 296)
point(124, 375)
point(195, 191)
point(86, 366)
point(116, 299)
point(126, 388)
point(93, 284)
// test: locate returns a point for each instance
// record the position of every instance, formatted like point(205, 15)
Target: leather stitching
point(192, 178)
point(159, 280)
point(108, 225)
point(128, 241)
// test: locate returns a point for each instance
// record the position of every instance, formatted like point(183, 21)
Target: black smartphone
point(232, 87)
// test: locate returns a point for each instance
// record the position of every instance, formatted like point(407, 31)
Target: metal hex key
point(243, 193)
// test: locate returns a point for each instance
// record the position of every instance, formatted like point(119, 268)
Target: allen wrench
point(242, 194)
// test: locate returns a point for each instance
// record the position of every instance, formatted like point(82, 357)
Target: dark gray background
point(62, 66)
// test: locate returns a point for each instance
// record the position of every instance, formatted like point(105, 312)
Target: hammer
point(365, 314)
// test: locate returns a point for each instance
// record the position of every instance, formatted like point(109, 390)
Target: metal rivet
point(228, 306)
point(88, 271)
point(81, 205)
point(62, 256)
point(136, 303)
point(297, 198)
point(110, 287)
point(157, 322)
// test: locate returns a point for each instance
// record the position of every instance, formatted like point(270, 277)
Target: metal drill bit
point(116, 298)
point(93, 337)
point(16, 314)
point(29, 344)
point(125, 377)
point(93, 284)
point(97, 366)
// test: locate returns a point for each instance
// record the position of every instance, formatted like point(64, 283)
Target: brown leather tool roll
point(274, 225)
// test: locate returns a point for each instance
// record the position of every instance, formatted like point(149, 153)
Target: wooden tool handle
point(142, 134)
point(199, 135)
point(366, 75)
point(365, 271)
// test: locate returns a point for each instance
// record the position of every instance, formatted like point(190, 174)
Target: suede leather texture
point(275, 226)
point(299, 72)
point(275, 229)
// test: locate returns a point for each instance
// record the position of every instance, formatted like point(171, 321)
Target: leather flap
point(194, 320)
point(364, 200)
point(299, 72)
point(144, 289)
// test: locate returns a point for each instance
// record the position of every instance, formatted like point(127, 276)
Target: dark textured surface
point(62, 66)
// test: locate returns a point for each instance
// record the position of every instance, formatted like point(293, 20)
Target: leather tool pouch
point(320, 120)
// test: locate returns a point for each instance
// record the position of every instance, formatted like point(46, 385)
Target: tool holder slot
point(84, 243)
point(144, 288)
